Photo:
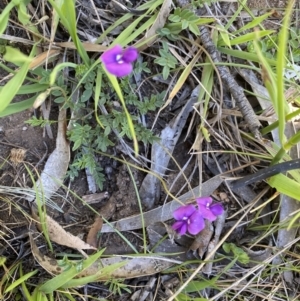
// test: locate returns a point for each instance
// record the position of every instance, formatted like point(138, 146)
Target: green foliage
point(116, 286)
point(169, 33)
point(9, 91)
point(87, 136)
point(238, 253)
point(184, 297)
point(182, 19)
point(187, 20)
point(71, 270)
point(34, 121)
point(268, 45)
point(166, 59)
point(200, 3)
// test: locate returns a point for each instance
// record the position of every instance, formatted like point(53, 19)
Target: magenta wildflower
point(118, 61)
point(189, 219)
point(207, 209)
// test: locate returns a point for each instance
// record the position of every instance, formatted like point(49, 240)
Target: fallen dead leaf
point(17, 155)
point(95, 197)
point(60, 236)
point(136, 266)
point(57, 164)
point(42, 58)
point(92, 237)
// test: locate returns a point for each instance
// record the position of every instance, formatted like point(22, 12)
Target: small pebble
point(24, 128)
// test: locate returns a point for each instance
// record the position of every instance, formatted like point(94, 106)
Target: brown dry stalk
point(236, 91)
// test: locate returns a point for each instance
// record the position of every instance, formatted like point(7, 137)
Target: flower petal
point(130, 54)
point(184, 211)
point(196, 224)
point(110, 56)
point(216, 209)
point(180, 227)
point(205, 201)
point(206, 213)
point(118, 69)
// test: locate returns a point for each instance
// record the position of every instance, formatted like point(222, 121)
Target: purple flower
point(189, 219)
point(209, 210)
point(118, 61)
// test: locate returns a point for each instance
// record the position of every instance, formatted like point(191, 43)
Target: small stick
point(266, 173)
point(234, 88)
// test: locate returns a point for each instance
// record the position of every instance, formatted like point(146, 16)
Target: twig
point(234, 88)
point(266, 173)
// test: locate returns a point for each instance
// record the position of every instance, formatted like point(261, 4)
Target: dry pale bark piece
point(57, 164)
point(143, 294)
point(60, 236)
point(151, 36)
point(163, 213)
point(137, 266)
point(202, 239)
point(161, 153)
point(219, 225)
point(95, 197)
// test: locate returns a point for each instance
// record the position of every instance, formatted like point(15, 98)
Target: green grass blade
point(9, 91)
point(247, 37)
point(136, 32)
point(58, 281)
point(68, 295)
point(15, 56)
point(254, 23)
point(112, 27)
point(97, 95)
point(20, 280)
point(18, 107)
point(281, 62)
point(294, 140)
point(245, 55)
point(118, 90)
point(34, 88)
point(103, 272)
point(274, 125)
point(68, 18)
point(150, 5)
point(57, 68)
point(24, 287)
point(285, 185)
point(236, 14)
point(268, 76)
point(140, 208)
point(41, 204)
point(5, 16)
